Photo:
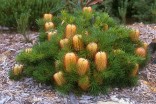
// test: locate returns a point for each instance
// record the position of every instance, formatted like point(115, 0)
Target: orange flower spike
point(140, 52)
point(48, 17)
point(101, 61)
point(77, 42)
point(69, 59)
point(50, 34)
point(59, 78)
point(48, 26)
point(105, 27)
point(82, 66)
point(135, 70)
point(92, 48)
point(145, 45)
point(87, 9)
point(134, 35)
point(70, 30)
point(17, 69)
point(64, 42)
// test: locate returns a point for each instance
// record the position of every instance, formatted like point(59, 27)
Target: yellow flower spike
point(47, 17)
point(101, 61)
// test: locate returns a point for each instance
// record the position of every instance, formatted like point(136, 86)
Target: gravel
point(28, 91)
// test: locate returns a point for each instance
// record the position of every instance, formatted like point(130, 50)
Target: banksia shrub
point(86, 51)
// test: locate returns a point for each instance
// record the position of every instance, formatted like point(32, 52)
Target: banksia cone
point(135, 70)
point(145, 45)
point(57, 63)
point(118, 51)
point(28, 50)
point(17, 69)
point(50, 34)
point(70, 30)
point(92, 48)
point(48, 17)
point(64, 42)
point(105, 27)
point(84, 83)
point(87, 9)
point(58, 78)
point(134, 35)
point(101, 61)
point(69, 60)
point(48, 26)
point(82, 66)
point(77, 42)
point(140, 52)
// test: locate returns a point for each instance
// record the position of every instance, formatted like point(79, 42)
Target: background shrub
point(11, 10)
point(125, 10)
point(140, 10)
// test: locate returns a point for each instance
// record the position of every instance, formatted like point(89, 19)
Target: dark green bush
point(10, 10)
point(47, 57)
point(140, 10)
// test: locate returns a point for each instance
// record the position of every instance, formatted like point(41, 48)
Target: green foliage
point(143, 11)
point(47, 58)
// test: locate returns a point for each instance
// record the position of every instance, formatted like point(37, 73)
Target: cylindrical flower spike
point(48, 26)
point(82, 66)
point(87, 9)
point(48, 17)
point(145, 45)
point(135, 70)
point(77, 42)
point(50, 34)
point(59, 78)
point(64, 42)
point(134, 35)
point(28, 50)
point(17, 69)
point(92, 48)
point(101, 61)
point(140, 52)
point(70, 30)
point(105, 27)
point(70, 59)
